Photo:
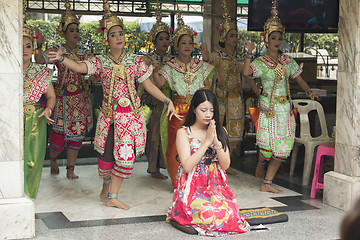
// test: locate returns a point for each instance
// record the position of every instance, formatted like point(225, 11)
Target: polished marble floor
point(71, 209)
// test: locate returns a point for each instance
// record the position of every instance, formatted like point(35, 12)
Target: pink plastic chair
point(318, 180)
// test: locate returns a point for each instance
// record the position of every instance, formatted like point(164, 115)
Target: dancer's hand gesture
point(47, 113)
point(172, 112)
point(55, 56)
point(250, 46)
point(204, 51)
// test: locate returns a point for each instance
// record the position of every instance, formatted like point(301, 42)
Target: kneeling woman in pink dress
point(203, 201)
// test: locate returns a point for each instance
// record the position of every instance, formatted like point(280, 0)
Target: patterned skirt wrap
point(34, 151)
point(276, 134)
point(129, 137)
point(231, 109)
point(153, 148)
point(73, 115)
point(175, 124)
point(204, 200)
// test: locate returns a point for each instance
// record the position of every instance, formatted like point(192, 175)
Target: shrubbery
point(89, 37)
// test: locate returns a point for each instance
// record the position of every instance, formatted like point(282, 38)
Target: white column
point(16, 210)
point(342, 186)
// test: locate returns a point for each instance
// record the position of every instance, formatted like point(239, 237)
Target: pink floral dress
point(204, 200)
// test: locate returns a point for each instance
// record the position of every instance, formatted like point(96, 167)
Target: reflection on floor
point(72, 209)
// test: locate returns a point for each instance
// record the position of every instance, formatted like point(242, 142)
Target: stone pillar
point(342, 186)
point(16, 210)
point(213, 17)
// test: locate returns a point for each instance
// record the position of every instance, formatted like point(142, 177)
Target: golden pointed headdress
point(159, 26)
point(228, 23)
point(273, 24)
point(181, 29)
point(28, 31)
point(108, 21)
point(67, 18)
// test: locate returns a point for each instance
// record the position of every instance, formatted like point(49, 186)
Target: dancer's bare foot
point(70, 172)
point(105, 190)
point(114, 202)
point(159, 175)
point(265, 187)
point(231, 171)
point(54, 168)
point(260, 170)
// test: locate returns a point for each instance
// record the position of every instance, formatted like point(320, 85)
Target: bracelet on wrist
point(308, 92)
point(62, 58)
point(50, 109)
point(167, 101)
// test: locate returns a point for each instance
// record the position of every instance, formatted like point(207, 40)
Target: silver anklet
point(107, 181)
point(112, 196)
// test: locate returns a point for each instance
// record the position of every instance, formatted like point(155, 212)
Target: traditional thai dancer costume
point(184, 80)
point(276, 125)
point(227, 84)
point(121, 131)
point(37, 79)
point(73, 113)
point(154, 144)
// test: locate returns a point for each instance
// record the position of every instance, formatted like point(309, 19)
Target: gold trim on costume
point(28, 31)
point(71, 88)
point(181, 29)
point(124, 102)
point(182, 99)
point(273, 24)
point(159, 26)
point(280, 99)
point(30, 108)
point(108, 21)
point(228, 23)
point(67, 18)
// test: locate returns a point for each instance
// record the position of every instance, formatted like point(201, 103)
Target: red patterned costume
point(123, 114)
point(73, 112)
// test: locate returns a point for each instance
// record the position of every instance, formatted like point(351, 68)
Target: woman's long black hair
point(199, 97)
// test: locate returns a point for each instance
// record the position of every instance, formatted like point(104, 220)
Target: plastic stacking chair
point(318, 180)
point(305, 106)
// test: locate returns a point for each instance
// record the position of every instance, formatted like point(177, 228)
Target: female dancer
point(185, 75)
point(160, 36)
point(73, 111)
point(120, 130)
point(227, 84)
point(37, 82)
point(276, 125)
point(203, 201)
